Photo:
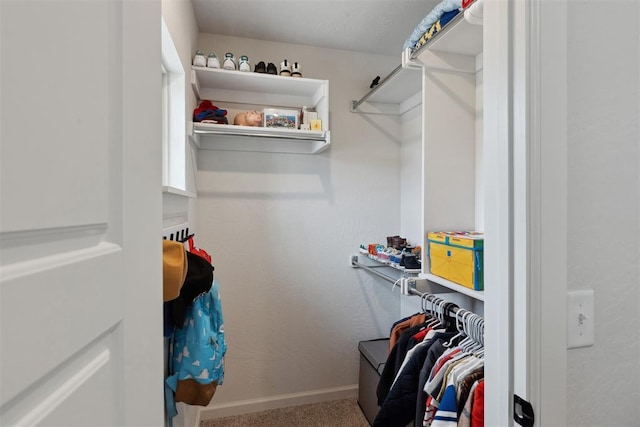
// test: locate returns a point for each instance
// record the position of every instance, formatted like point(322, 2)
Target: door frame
point(525, 223)
point(143, 362)
point(540, 138)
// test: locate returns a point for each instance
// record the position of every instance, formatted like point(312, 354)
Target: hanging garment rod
point(356, 104)
point(467, 322)
point(372, 269)
point(471, 323)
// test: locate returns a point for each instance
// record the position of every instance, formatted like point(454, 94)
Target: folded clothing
point(437, 26)
point(206, 110)
point(216, 120)
point(426, 23)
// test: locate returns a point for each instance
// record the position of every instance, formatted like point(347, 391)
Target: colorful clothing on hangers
point(428, 374)
point(398, 408)
point(197, 353)
point(399, 328)
point(464, 420)
point(477, 409)
point(435, 351)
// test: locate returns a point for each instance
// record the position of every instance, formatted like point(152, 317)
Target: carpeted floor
point(334, 413)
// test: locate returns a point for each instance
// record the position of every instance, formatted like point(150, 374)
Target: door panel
point(55, 93)
point(80, 214)
point(60, 398)
point(56, 305)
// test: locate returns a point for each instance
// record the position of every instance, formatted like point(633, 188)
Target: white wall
point(603, 208)
point(178, 209)
point(281, 227)
point(411, 176)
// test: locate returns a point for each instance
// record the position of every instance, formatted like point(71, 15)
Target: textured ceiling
point(374, 26)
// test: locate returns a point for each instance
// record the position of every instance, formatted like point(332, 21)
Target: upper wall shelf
point(248, 90)
point(212, 136)
point(256, 88)
point(455, 47)
point(396, 93)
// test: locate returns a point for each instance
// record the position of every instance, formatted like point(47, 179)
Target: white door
point(80, 277)
point(525, 132)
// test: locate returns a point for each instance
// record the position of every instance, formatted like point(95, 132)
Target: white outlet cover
point(580, 319)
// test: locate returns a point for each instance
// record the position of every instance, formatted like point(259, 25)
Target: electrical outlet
point(580, 320)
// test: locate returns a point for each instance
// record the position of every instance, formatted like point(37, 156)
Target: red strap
point(197, 251)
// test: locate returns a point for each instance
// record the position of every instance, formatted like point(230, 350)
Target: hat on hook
point(198, 281)
point(174, 269)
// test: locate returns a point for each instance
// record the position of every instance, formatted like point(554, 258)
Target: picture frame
point(281, 118)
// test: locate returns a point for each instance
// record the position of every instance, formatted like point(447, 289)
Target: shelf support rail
point(372, 269)
point(356, 104)
point(467, 322)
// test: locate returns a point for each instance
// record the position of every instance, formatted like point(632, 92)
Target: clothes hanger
point(449, 321)
point(474, 326)
point(459, 318)
point(433, 321)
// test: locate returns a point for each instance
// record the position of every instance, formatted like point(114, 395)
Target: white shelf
point(451, 60)
point(211, 136)
point(456, 46)
point(479, 295)
point(250, 90)
point(458, 37)
point(256, 88)
point(388, 264)
point(398, 92)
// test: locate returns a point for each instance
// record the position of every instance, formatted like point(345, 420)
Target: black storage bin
point(373, 355)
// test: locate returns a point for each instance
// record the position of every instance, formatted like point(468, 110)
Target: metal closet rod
point(467, 322)
point(372, 270)
point(453, 309)
point(356, 104)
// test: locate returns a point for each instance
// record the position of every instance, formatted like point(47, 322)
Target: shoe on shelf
point(213, 61)
point(417, 251)
point(199, 59)
point(394, 255)
point(398, 242)
point(271, 68)
point(296, 70)
point(411, 262)
point(285, 68)
point(229, 61)
point(260, 68)
point(243, 64)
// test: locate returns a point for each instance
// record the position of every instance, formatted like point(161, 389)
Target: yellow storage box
point(457, 256)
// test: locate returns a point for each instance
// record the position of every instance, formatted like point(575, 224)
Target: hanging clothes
point(397, 353)
point(444, 405)
point(198, 346)
point(399, 407)
point(432, 373)
point(197, 353)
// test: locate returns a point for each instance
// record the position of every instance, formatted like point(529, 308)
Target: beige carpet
point(334, 413)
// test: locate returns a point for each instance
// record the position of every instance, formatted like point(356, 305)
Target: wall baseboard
point(274, 402)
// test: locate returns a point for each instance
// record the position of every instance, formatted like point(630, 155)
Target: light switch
point(580, 321)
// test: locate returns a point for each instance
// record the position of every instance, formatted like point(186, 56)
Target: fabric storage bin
point(373, 355)
point(457, 256)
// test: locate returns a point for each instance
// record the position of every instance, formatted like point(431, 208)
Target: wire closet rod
point(356, 104)
point(451, 309)
point(372, 269)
